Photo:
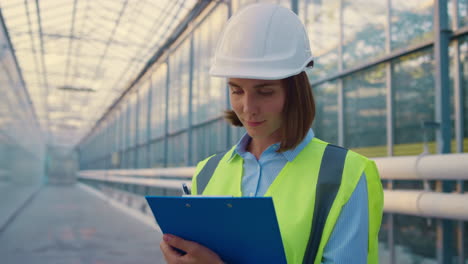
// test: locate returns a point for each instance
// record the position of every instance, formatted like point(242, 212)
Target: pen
point(185, 189)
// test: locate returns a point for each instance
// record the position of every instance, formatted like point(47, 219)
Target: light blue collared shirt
point(348, 241)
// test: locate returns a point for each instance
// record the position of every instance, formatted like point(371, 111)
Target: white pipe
point(169, 184)
point(186, 172)
point(424, 167)
point(427, 204)
point(418, 203)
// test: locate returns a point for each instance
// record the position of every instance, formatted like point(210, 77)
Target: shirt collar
point(290, 155)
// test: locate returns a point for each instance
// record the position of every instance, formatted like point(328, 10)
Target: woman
point(328, 200)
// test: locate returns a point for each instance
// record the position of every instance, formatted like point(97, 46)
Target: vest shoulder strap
point(207, 172)
point(329, 181)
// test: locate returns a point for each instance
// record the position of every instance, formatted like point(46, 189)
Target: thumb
point(179, 243)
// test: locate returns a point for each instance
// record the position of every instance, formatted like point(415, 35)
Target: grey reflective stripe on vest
point(205, 174)
point(329, 180)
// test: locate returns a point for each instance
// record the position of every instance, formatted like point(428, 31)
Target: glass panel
point(158, 102)
point(365, 112)
point(462, 49)
point(325, 125)
point(177, 152)
point(321, 19)
point(90, 49)
point(465, 234)
point(412, 22)
point(208, 140)
point(209, 94)
point(415, 240)
point(413, 102)
point(236, 133)
point(384, 250)
point(132, 112)
point(142, 161)
point(114, 133)
point(131, 159)
point(179, 65)
point(157, 154)
point(462, 13)
point(464, 84)
point(22, 144)
point(363, 30)
point(123, 127)
point(143, 111)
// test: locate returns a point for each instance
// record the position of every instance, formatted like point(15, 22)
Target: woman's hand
point(196, 253)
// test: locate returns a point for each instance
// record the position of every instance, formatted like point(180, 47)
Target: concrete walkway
point(68, 225)
point(12, 199)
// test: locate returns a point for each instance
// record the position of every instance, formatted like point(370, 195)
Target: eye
point(265, 92)
point(236, 91)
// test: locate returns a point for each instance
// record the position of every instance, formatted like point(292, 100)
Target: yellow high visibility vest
point(294, 193)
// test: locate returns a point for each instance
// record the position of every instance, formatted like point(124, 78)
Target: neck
point(258, 145)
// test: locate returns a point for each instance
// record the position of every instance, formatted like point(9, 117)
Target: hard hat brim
point(256, 73)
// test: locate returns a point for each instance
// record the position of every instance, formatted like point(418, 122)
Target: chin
point(257, 134)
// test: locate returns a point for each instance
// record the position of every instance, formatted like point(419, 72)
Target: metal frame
point(340, 86)
point(70, 42)
point(440, 43)
point(149, 121)
point(228, 94)
point(158, 56)
point(390, 128)
point(166, 114)
point(109, 40)
point(20, 74)
point(43, 65)
point(190, 147)
point(459, 125)
point(442, 115)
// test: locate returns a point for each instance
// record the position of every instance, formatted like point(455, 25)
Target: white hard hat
point(262, 41)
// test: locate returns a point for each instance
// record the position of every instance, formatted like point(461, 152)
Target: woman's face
point(259, 105)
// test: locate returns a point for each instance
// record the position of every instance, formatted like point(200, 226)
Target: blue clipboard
point(239, 229)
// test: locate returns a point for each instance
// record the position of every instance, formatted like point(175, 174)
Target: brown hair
point(298, 111)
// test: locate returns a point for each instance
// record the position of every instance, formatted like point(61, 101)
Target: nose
point(250, 104)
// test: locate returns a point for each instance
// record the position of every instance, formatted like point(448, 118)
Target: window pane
point(412, 22)
point(415, 239)
point(132, 107)
point(462, 13)
point(123, 125)
point(464, 75)
point(158, 101)
point(209, 93)
point(177, 152)
point(143, 92)
point(365, 112)
point(142, 161)
point(321, 19)
point(326, 112)
point(209, 139)
point(364, 30)
point(384, 251)
point(179, 64)
point(236, 134)
point(157, 154)
point(413, 101)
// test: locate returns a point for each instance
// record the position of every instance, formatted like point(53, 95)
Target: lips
point(254, 124)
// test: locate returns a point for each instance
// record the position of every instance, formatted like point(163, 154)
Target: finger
point(169, 253)
point(177, 242)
